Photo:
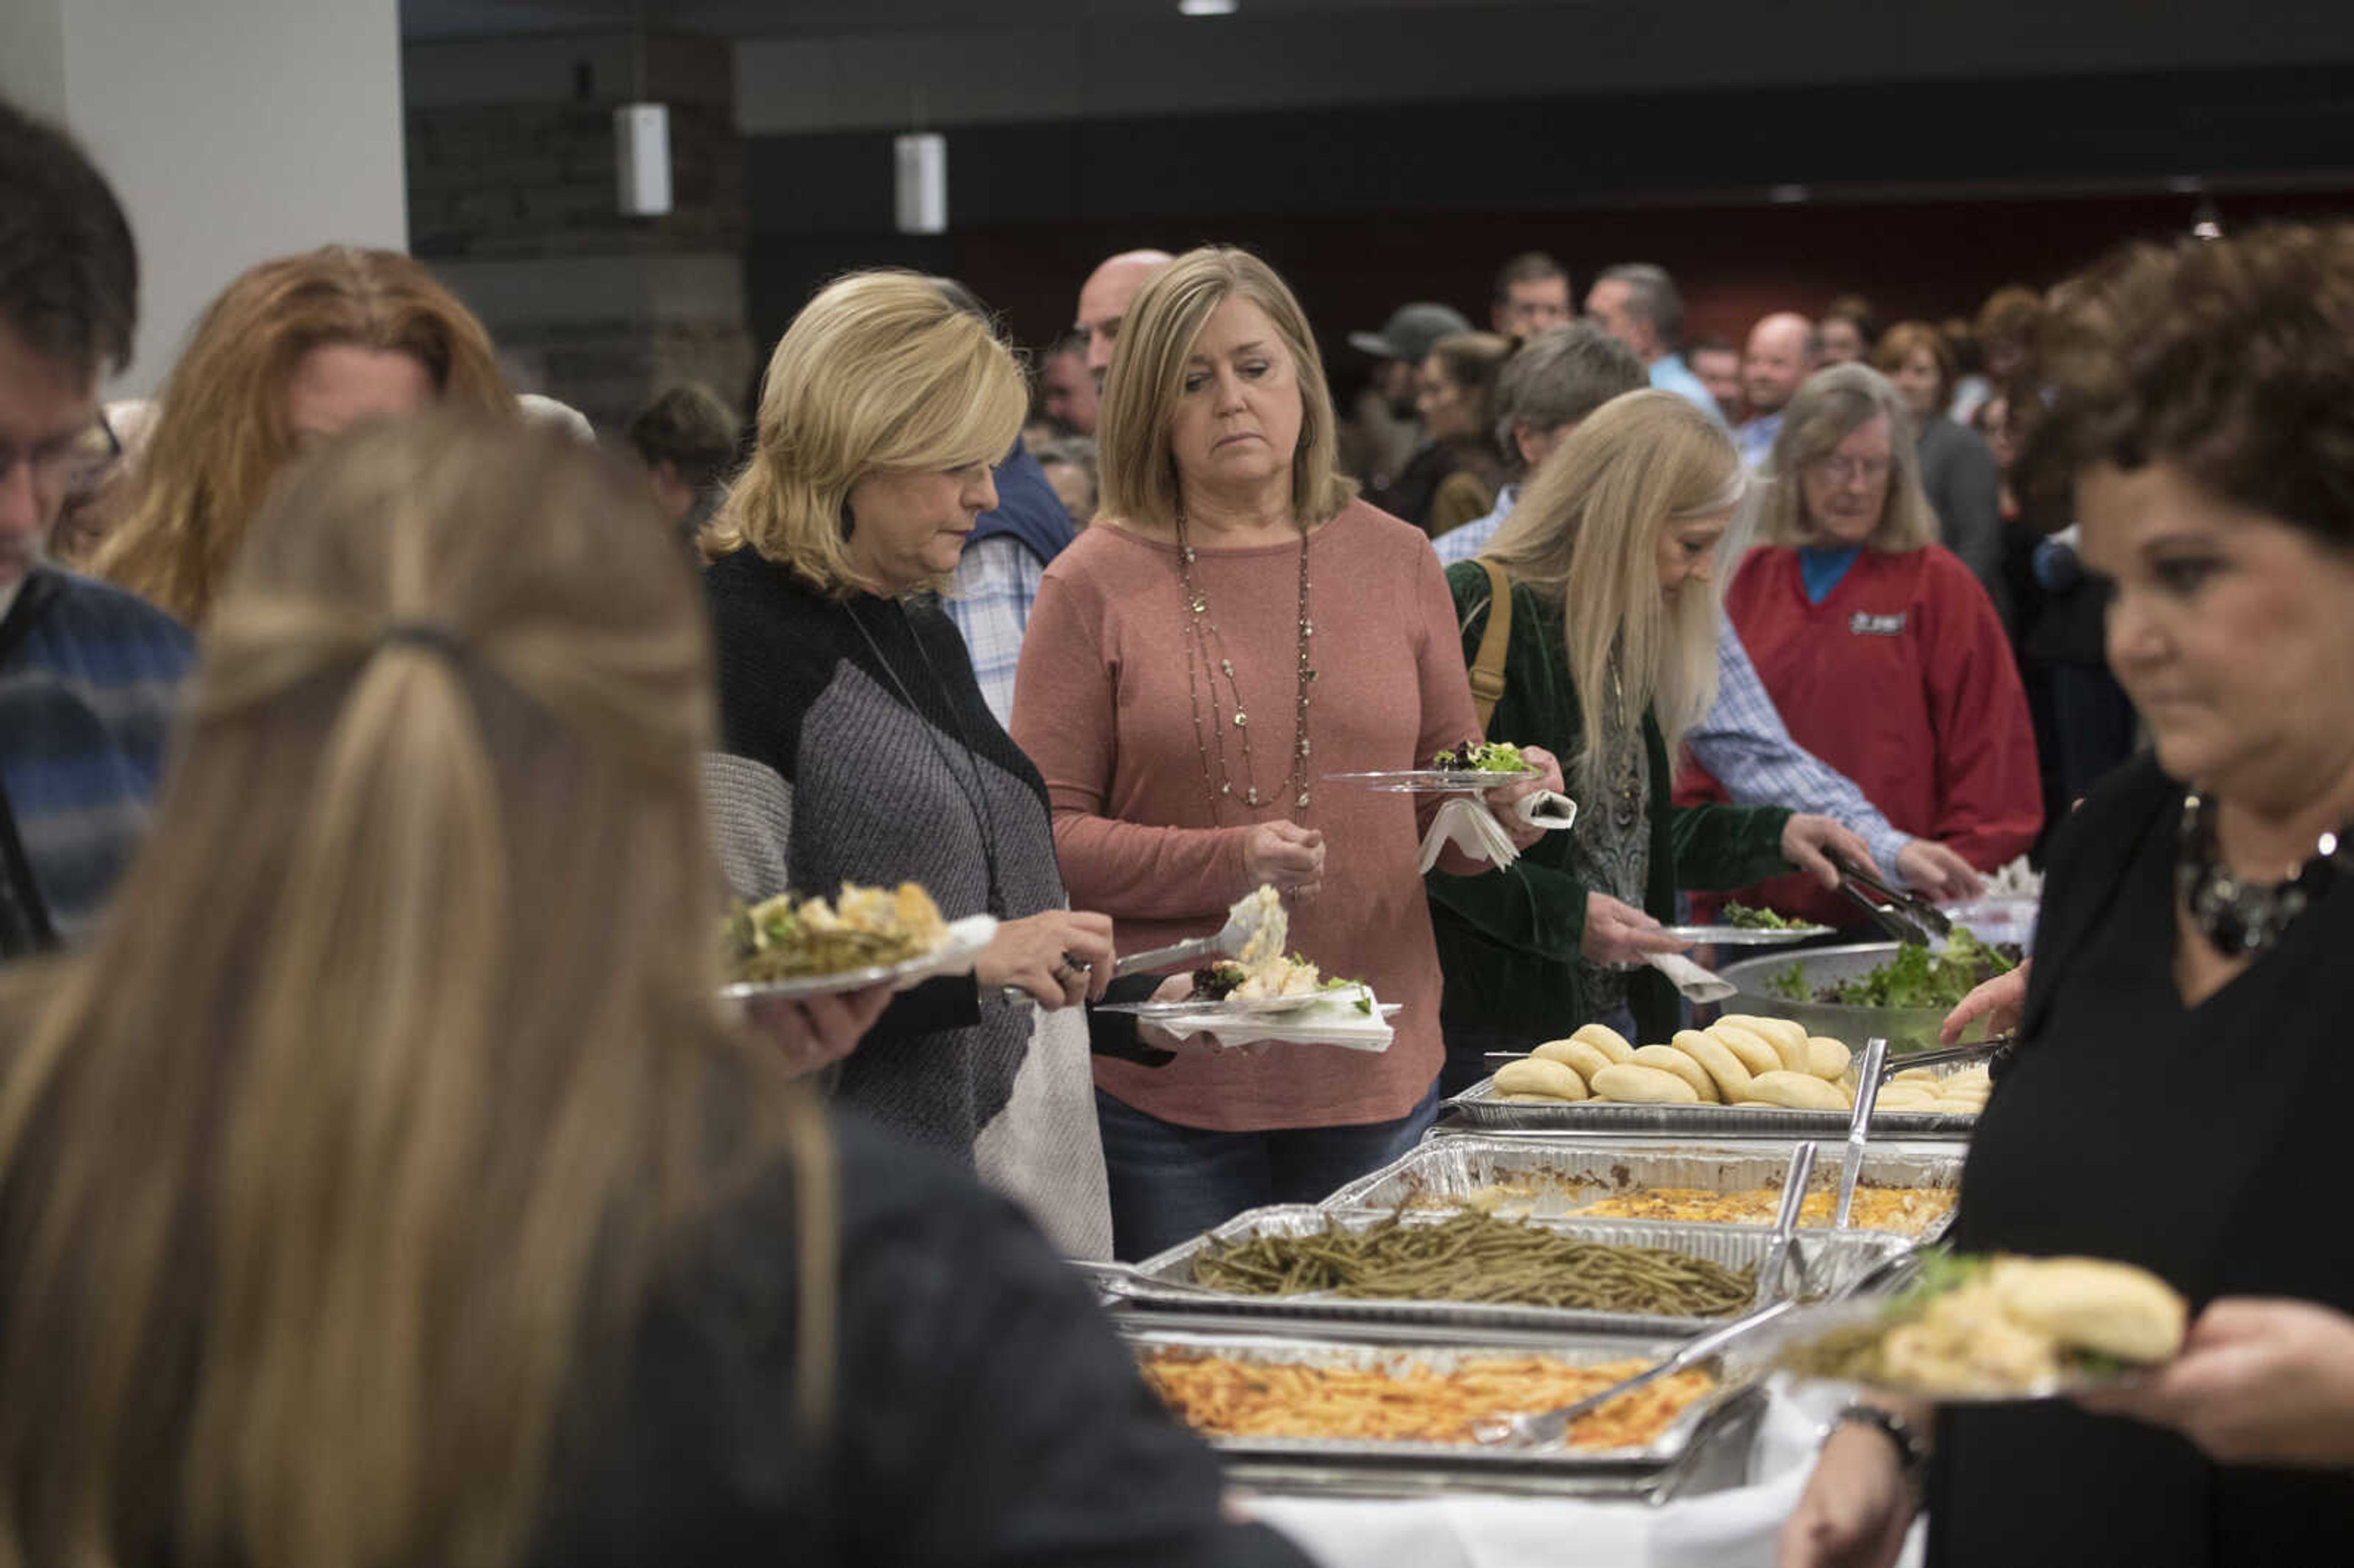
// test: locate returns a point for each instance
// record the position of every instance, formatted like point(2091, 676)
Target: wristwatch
point(1911, 1453)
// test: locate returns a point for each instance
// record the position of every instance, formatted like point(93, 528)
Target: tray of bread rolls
point(1742, 1077)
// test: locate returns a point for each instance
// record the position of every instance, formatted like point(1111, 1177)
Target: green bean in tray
point(1476, 1257)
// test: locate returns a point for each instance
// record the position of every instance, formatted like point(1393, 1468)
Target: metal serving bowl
point(1906, 1028)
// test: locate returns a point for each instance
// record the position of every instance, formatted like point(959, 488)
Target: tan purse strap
point(1488, 669)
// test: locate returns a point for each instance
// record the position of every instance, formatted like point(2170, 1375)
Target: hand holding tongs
point(1907, 917)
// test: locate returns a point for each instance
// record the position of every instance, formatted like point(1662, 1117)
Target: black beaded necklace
point(2239, 917)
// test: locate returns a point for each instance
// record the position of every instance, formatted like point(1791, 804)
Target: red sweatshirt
point(1902, 679)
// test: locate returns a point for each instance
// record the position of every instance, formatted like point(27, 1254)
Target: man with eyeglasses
point(88, 674)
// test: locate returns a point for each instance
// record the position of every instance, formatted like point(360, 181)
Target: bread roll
point(1788, 1039)
point(1643, 1086)
point(1722, 1067)
point(1576, 1056)
point(1667, 1059)
point(1800, 1091)
point(2091, 1304)
point(1826, 1057)
point(1535, 1076)
point(1755, 1053)
point(1611, 1044)
point(1913, 1075)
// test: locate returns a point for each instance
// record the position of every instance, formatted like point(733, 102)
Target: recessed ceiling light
point(1208, 7)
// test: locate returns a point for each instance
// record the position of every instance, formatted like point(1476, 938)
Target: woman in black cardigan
point(855, 745)
point(2179, 1091)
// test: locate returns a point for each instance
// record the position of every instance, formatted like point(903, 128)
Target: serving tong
point(1544, 1428)
point(1228, 940)
point(1907, 917)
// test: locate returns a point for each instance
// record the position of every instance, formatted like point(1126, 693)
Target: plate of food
point(1472, 768)
point(1256, 986)
point(1746, 928)
point(1978, 1330)
point(790, 946)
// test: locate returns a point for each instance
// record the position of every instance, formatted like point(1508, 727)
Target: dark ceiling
point(771, 18)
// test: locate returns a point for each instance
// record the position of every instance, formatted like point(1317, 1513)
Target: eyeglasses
point(1847, 470)
point(72, 464)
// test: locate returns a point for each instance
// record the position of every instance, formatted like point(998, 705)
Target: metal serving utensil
point(1904, 916)
point(1545, 1428)
point(1975, 1051)
point(1859, 1126)
point(1242, 923)
point(1794, 1178)
point(1127, 1279)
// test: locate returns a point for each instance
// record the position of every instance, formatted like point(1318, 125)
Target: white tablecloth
point(1730, 1528)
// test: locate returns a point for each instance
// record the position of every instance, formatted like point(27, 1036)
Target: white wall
point(232, 129)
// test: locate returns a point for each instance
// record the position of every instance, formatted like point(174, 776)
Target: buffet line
point(1571, 1225)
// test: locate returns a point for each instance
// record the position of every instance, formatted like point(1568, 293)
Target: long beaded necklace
point(1206, 660)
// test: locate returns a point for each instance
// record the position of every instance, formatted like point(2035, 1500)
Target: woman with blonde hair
point(384, 1185)
point(855, 745)
point(293, 349)
point(1878, 646)
point(1610, 560)
point(1234, 628)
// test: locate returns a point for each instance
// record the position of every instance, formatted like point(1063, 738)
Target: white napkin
point(1696, 983)
point(1733, 1528)
point(1338, 1023)
point(1471, 827)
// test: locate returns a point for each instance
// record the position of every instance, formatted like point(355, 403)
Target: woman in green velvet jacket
point(1611, 555)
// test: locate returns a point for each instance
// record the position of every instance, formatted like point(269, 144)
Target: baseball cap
point(1410, 332)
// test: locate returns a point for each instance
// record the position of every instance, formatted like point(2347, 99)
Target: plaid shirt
point(996, 582)
point(1462, 544)
point(89, 687)
point(1744, 742)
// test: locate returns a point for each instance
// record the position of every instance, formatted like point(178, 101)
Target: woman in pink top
point(1236, 627)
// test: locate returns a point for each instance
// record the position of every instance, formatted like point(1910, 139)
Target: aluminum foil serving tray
point(1441, 1173)
point(1379, 1346)
point(1834, 1263)
point(1480, 1106)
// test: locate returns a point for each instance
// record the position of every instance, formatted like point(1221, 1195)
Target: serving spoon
point(1244, 921)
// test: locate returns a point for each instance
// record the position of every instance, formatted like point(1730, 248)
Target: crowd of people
point(382, 1179)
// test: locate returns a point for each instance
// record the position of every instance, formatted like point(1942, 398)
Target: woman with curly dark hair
point(2189, 976)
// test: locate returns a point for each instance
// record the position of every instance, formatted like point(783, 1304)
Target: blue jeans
point(1169, 1183)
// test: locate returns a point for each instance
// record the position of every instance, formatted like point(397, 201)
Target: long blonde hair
point(222, 434)
point(882, 371)
point(346, 1154)
point(1148, 375)
point(1585, 534)
point(1831, 405)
